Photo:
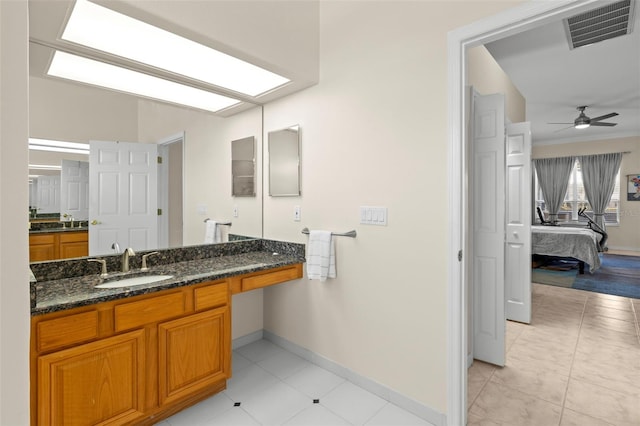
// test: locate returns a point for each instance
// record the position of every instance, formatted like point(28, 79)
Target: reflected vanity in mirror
point(243, 167)
point(284, 162)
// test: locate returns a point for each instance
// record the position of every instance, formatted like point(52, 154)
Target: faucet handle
point(144, 260)
point(104, 266)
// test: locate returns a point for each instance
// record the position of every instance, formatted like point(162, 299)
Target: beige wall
point(486, 77)
point(627, 235)
point(64, 111)
point(374, 132)
point(14, 194)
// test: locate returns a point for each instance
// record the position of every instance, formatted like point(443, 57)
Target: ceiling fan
point(582, 122)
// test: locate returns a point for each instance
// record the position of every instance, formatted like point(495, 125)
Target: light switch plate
point(373, 215)
point(296, 213)
point(235, 211)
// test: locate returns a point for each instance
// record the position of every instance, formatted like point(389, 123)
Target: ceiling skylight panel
point(77, 68)
point(103, 29)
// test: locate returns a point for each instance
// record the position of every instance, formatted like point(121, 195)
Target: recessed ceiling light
point(58, 146)
point(44, 167)
point(97, 73)
point(112, 32)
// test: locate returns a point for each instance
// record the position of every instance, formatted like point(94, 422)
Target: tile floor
point(276, 387)
point(577, 363)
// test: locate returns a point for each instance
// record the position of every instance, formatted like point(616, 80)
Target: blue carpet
point(618, 275)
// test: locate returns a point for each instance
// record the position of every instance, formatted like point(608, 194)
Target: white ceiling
point(281, 36)
point(554, 80)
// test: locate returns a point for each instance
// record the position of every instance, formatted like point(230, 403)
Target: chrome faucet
point(116, 247)
point(125, 258)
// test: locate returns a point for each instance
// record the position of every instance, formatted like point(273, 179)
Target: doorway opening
point(518, 19)
point(171, 191)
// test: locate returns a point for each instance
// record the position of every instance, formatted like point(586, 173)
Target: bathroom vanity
point(135, 355)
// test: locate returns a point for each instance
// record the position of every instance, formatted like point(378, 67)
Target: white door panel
point(487, 198)
point(518, 228)
point(123, 207)
point(74, 189)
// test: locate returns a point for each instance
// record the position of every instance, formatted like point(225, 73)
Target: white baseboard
point(635, 250)
point(246, 339)
point(425, 412)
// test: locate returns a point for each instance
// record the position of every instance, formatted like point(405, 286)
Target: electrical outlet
point(235, 211)
point(296, 213)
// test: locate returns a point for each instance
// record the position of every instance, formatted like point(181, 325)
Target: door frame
point(512, 21)
point(163, 225)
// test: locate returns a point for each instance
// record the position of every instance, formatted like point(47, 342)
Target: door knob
point(95, 222)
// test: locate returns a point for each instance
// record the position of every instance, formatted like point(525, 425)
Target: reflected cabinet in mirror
point(284, 162)
point(243, 167)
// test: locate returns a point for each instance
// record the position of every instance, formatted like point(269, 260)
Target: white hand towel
point(321, 260)
point(212, 232)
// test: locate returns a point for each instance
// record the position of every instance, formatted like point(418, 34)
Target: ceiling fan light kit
point(584, 122)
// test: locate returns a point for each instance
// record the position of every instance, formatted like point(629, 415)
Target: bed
point(576, 243)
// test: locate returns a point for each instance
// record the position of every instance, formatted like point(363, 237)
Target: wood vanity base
point(140, 359)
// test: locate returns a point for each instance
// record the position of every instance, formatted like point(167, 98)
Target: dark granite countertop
point(52, 230)
point(206, 264)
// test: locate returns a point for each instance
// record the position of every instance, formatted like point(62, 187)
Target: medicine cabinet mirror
point(243, 167)
point(284, 162)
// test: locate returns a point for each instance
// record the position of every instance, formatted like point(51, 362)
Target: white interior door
point(74, 189)
point(518, 211)
point(48, 194)
point(123, 196)
point(488, 200)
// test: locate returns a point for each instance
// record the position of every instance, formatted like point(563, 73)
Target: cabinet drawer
point(136, 314)
point(211, 296)
point(64, 331)
point(42, 239)
point(270, 278)
point(73, 237)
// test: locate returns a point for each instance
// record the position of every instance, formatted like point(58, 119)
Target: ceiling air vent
point(604, 23)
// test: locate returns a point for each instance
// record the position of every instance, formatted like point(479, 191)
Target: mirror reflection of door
point(74, 190)
point(123, 205)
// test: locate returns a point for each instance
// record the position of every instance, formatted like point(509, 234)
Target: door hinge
point(459, 255)
point(159, 160)
point(159, 212)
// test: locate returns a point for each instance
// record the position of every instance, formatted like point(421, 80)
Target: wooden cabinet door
point(74, 244)
point(194, 353)
point(42, 247)
point(102, 382)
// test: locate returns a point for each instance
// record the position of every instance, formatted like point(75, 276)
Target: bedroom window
point(576, 198)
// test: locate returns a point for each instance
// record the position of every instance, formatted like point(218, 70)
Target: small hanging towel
point(212, 232)
point(321, 260)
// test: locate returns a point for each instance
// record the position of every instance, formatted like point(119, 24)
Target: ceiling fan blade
point(602, 124)
point(604, 117)
point(559, 123)
point(564, 128)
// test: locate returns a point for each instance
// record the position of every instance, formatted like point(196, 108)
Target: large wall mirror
point(284, 162)
point(65, 111)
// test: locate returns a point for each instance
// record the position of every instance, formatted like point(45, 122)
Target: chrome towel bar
point(219, 223)
point(350, 234)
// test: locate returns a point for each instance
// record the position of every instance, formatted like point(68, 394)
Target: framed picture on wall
point(633, 187)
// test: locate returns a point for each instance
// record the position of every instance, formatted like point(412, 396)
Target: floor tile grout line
point(573, 358)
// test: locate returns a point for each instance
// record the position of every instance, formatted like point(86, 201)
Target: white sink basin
point(138, 280)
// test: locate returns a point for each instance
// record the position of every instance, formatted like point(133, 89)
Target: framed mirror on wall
point(284, 162)
point(243, 167)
